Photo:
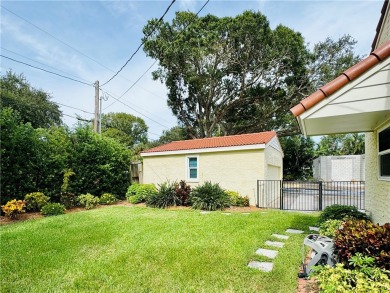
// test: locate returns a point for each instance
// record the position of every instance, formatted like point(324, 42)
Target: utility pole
point(96, 120)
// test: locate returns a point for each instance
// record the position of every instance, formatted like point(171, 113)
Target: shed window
point(192, 168)
point(384, 152)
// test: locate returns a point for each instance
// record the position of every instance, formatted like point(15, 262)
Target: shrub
point(363, 278)
point(339, 212)
point(53, 209)
point(14, 208)
point(183, 192)
point(237, 200)
point(107, 198)
point(35, 201)
point(209, 197)
point(234, 197)
point(88, 201)
point(139, 192)
point(360, 236)
point(68, 199)
point(165, 197)
point(329, 227)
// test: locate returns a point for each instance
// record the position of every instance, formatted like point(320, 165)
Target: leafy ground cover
point(138, 249)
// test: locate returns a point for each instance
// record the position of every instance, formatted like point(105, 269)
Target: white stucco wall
point(233, 170)
point(377, 191)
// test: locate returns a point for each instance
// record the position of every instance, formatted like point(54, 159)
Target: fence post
point(258, 191)
point(281, 194)
point(320, 196)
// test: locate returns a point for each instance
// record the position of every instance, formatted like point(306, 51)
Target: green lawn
point(135, 249)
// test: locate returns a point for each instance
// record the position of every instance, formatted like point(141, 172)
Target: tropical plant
point(365, 237)
point(363, 278)
point(183, 192)
point(329, 227)
point(13, 208)
point(166, 196)
point(209, 197)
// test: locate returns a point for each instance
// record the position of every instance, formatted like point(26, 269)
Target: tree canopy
point(213, 66)
point(125, 128)
point(234, 75)
point(33, 105)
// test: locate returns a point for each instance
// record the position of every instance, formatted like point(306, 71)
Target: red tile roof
point(377, 56)
point(216, 142)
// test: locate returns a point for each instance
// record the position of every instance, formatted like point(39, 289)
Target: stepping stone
point(293, 231)
point(228, 214)
point(279, 236)
point(204, 212)
point(274, 244)
point(262, 266)
point(314, 229)
point(267, 252)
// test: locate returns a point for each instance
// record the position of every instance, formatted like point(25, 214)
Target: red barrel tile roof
point(377, 56)
point(216, 142)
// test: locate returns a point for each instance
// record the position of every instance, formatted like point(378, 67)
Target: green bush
point(165, 197)
point(13, 208)
point(183, 192)
point(68, 199)
point(363, 278)
point(237, 200)
point(340, 212)
point(53, 209)
point(107, 198)
point(329, 227)
point(88, 201)
point(209, 197)
point(234, 197)
point(360, 236)
point(139, 192)
point(35, 201)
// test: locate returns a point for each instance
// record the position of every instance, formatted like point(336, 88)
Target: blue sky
point(90, 40)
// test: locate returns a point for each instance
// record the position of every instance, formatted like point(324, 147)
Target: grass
point(133, 249)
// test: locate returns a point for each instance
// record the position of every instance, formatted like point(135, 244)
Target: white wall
point(233, 170)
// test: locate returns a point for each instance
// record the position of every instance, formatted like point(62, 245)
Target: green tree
point(298, 157)
point(341, 144)
point(330, 58)
point(125, 128)
point(33, 105)
point(215, 67)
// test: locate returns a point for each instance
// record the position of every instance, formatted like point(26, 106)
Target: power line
point(78, 118)
point(151, 119)
point(43, 64)
point(54, 37)
point(66, 44)
point(143, 74)
point(142, 43)
point(51, 72)
point(74, 108)
point(131, 85)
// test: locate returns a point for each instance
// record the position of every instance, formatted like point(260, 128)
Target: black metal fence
point(308, 195)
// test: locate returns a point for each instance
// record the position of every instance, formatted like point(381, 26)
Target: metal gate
point(309, 195)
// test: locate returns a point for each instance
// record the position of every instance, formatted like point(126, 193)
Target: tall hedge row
point(36, 159)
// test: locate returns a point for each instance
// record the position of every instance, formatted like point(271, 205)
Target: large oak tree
point(219, 70)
